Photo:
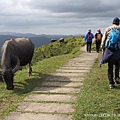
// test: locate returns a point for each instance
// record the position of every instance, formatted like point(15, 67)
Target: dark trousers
point(89, 46)
point(98, 43)
point(111, 74)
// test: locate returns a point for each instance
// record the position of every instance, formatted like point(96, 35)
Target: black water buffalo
point(61, 40)
point(15, 52)
point(53, 40)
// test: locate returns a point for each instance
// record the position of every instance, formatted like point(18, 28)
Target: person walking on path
point(88, 38)
point(98, 39)
point(114, 58)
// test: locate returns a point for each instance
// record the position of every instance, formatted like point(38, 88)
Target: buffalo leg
point(30, 70)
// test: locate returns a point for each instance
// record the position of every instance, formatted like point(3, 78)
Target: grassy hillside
point(45, 61)
point(57, 48)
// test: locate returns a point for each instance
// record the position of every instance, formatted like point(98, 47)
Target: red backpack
point(89, 36)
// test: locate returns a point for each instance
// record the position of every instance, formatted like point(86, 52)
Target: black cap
point(89, 30)
point(116, 21)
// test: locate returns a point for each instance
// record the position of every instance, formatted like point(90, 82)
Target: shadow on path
point(31, 83)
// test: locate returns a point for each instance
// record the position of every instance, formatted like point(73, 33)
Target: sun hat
point(98, 30)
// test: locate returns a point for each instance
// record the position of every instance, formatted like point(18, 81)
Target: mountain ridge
point(38, 40)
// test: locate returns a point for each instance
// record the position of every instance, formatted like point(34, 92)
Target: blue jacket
point(86, 37)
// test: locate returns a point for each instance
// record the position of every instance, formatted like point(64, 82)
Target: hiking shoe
point(117, 80)
point(111, 86)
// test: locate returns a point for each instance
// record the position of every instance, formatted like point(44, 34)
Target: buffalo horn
point(17, 66)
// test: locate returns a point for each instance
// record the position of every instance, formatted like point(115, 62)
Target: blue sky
point(57, 16)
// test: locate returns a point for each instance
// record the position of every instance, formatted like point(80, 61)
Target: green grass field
point(24, 84)
point(96, 101)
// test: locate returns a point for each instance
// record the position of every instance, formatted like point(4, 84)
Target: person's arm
point(86, 36)
point(104, 38)
point(96, 36)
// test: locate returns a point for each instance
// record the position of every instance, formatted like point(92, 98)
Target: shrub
point(57, 48)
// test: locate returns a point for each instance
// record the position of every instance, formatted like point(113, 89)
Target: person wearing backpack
point(112, 51)
point(88, 38)
point(98, 39)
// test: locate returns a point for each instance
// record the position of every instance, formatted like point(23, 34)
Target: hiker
point(111, 56)
point(88, 38)
point(98, 39)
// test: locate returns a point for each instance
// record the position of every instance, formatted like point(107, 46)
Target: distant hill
point(18, 34)
point(3, 38)
point(38, 40)
point(33, 35)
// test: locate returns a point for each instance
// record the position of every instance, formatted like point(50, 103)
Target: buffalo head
point(9, 74)
point(8, 78)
